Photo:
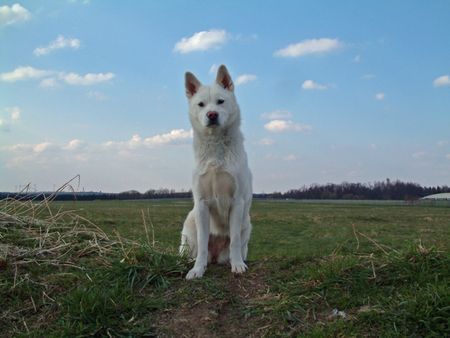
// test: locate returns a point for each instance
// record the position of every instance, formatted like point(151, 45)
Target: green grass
point(285, 228)
point(386, 266)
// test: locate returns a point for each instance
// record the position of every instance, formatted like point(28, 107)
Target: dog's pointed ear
point(224, 79)
point(191, 83)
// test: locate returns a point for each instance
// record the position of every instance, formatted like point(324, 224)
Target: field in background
point(285, 228)
point(316, 269)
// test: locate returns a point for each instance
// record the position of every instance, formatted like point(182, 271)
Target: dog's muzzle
point(213, 118)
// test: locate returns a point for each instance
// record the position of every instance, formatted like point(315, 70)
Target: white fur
point(222, 182)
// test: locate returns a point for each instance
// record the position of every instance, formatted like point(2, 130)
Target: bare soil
point(224, 316)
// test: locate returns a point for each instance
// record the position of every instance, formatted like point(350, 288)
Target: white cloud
point(31, 148)
point(312, 46)
point(14, 113)
point(51, 78)
point(245, 78)
point(49, 82)
point(96, 95)
point(443, 143)
point(380, 96)
point(175, 136)
point(75, 79)
point(277, 115)
point(146, 167)
point(74, 144)
point(311, 85)
point(48, 153)
point(40, 147)
point(3, 126)
point(15, 13)
point(14, 116)
point(279, 122)
point(24, 73)
point(441, 81)
point(447, 156)
point(213, 69)
point(202, 41)
point(82, 2)
point(86, 80)
point(153, 162)
point(290, 157)
point(266, 142)
point(277, 126)
point(59, 43)
point(17, 148)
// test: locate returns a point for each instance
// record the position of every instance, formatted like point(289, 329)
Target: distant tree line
point(383, 190)
point(93, 195)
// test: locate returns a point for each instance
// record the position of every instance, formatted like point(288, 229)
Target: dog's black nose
point(212, 116)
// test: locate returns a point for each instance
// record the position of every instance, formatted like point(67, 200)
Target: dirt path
point(218, 306)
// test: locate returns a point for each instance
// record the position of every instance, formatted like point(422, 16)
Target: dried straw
point(31, 232)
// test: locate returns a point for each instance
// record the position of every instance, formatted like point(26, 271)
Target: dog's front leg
point(202, 223)
point(236, 218)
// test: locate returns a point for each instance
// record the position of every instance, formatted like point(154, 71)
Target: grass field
point(315, 269)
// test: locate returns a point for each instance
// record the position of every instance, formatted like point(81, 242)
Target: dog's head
point(212, 107)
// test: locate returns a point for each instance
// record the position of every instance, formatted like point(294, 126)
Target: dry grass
point(46, 237)
point(59, 264)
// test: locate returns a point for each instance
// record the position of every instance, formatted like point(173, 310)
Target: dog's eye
point(220, 101)
point(201, 104)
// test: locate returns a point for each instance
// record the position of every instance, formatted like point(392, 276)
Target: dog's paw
point(238, 268)
point(195, 272)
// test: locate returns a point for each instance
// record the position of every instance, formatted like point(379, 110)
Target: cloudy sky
point(329, 91)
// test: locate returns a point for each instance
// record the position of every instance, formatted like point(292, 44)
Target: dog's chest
point(217, 188)
point(216, 183)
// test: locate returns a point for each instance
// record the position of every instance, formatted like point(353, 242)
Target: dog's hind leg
point(189, 237)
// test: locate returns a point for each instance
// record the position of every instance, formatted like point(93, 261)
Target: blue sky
point(329, 91)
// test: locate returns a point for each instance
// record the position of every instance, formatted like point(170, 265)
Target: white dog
point(218, 228)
